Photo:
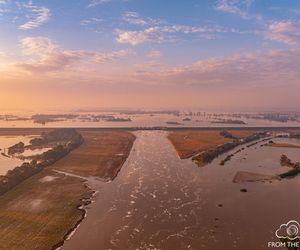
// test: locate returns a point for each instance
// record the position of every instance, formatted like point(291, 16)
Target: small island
point(174, 123)
point(281, 145)
point(229, 121)
point(118, 119)
point(46, 118)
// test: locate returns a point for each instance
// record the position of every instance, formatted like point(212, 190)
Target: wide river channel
point(161, 202)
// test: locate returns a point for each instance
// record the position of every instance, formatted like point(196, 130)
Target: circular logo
point(292, 230)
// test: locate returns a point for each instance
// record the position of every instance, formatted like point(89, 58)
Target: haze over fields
point(229, 54)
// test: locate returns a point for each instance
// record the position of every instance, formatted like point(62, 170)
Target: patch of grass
point(189, 143)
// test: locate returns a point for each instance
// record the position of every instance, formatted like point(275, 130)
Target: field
point(189, 143)
point(242, 133)
point(102, 154)
point(39, 212)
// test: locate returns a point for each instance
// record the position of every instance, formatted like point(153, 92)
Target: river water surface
point(161, 202)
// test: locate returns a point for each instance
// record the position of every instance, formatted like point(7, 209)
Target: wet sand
point(161, 202)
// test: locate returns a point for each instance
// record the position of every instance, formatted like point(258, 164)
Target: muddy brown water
point(161, 202)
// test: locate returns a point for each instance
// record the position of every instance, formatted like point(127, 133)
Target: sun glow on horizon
point(119, 53)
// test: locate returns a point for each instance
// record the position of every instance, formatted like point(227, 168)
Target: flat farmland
point(102, 154)
point(189, 143)
point(39, 212)
point(42, 210)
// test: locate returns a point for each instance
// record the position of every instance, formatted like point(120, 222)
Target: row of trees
point(26, 170)
point(295, 167)
point(208, 156)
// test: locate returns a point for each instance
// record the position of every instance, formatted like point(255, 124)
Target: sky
point(204, 54)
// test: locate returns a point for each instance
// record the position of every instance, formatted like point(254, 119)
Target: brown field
point(293, 131)
point(189, 143)
point(282, 145)
point(102, 154)
point(242, 133)
point(40, 211)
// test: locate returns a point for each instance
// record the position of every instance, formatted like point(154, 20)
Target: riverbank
point(204, 146)
point(43, 211)
point(160, 201)
point(39, 212)
point(188, 143)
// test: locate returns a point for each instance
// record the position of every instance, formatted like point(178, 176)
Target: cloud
point(164, 33)
point(94, 3)
point(158, 31)
point(287, 32)
point(112, 56)
point(237, 7)
point(43, 55)
point(3, 7)
point(134, 18)
point(92, 20)
point(238, 71)
point(154, 54)
point(153, 34)
point(37, 15)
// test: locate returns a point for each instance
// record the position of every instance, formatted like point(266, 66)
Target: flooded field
point(10, 162)
point(7, 163)
point(91, 120)
point(161, 202)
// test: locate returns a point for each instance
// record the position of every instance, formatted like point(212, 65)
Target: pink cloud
point(44, 55)
point(284, 31)
point(253, 69)
point(37, 15)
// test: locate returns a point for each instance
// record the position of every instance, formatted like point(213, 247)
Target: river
point(161, 202)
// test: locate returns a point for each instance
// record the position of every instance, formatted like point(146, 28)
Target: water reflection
point(146, 120)
point(7, 163)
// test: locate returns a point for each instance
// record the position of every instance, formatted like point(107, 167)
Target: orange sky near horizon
point(112, 54)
